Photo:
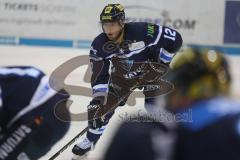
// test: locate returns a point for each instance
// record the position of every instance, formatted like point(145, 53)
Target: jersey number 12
point(170, 34)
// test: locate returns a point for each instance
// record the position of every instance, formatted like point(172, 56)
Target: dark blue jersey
point(209, 129)
point(142, 42)
point(211, 132)
point(22, 89)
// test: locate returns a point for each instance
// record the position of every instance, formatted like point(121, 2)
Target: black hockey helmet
point(112, 13)
point(200, 73)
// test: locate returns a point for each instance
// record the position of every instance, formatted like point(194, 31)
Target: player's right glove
point(93, 108)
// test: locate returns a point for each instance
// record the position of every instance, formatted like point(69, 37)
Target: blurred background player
point(209, 131)
point(202, 86)
point(125, 46)
point(28, 125)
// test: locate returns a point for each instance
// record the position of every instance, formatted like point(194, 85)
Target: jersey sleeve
point(100, 74)
point(169, 41)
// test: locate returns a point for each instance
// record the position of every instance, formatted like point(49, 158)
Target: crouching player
point(28, 125)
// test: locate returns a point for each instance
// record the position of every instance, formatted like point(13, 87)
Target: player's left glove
point(93, 120)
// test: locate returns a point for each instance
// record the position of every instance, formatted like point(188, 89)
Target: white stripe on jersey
point(41, 95)
point(98, 86)
point(158, 37)
point(20, 71)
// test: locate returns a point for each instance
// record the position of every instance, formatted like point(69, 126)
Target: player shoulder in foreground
point(28, 123)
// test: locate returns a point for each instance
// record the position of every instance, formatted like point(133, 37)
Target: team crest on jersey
point(136, 45)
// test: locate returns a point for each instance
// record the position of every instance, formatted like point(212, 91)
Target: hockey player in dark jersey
point(205, 121)
point(202, 86)
point(28, 125)
point(121, 58)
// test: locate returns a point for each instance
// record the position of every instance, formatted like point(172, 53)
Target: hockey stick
point(68, 144)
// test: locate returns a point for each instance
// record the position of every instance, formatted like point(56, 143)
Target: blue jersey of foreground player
point(142, 42)
point(209, 129)
point(213, 131)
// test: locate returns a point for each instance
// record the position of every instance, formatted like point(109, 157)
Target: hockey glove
point(93, 108)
